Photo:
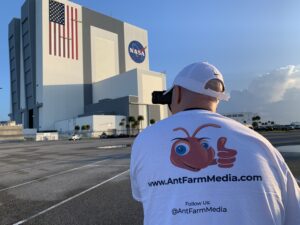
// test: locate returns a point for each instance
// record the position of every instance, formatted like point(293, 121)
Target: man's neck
point(195, 108)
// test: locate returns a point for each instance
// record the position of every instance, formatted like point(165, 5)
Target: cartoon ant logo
point(194, 153)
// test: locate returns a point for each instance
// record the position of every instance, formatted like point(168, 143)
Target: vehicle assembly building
point(68, 63)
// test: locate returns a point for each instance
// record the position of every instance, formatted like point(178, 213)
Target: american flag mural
point(63, 30)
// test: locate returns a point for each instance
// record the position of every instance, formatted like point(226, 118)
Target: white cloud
point(275, 96)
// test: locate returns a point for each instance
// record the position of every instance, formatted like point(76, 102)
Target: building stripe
point(72, 31)
point(59, 40)
point(64, 41)
point(76, 30)
point(54, 37)
point(50, 39)
point(68, 31)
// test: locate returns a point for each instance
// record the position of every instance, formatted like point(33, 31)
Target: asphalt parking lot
point(82, 182)
point(67, 182)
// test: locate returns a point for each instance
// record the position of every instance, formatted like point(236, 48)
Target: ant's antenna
point(184, 130)
point(203, 126)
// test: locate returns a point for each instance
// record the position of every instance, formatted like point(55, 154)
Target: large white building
point(69, 62)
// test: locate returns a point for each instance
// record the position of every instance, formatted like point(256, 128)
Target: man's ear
point(178, 92)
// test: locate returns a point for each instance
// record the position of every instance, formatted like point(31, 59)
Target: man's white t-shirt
point(198, 167)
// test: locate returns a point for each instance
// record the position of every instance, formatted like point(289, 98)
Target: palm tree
point(140, 120)
point(127, 128)
point(152, 121)
point(121, 124)
point(255, 121)
point(131, 120)
point(135, 124)
point(254, 124)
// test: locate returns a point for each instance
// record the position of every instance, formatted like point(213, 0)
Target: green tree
point(131, 120)
point(254, 124)
point(77, 128)
point(127, 128)
point(140, 120)
point(135, 125)
point(152, 121)
point(255, 121)
point(122, 123)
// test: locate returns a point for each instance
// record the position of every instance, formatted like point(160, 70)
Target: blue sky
point(244, 39)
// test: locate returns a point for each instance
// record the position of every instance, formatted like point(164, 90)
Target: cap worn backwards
point(194, 77)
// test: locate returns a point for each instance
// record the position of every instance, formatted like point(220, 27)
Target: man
point(199, 167)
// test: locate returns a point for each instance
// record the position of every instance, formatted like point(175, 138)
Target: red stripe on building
point(64, 41)
point(54, 37)
point(76, 31)
point(59, 38)
point(72, 31)
point(50, 39)
point(68, 37)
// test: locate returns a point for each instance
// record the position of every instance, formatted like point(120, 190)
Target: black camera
point(161, 97)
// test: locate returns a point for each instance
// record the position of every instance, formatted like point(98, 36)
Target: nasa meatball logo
point(137, 51)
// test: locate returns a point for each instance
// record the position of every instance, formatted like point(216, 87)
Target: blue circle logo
point(137, 51)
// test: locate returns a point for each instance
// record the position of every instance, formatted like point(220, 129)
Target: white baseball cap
point(195, 76)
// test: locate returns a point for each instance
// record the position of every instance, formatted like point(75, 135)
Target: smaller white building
point(93, 125)
point(242, 117)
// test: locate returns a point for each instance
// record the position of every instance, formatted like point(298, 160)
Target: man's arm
point(133, 171)
point(292, 205)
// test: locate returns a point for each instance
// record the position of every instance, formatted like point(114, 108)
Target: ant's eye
point(205, 145)
point(182, 149)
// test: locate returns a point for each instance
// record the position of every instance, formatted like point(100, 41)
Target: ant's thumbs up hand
point(226, 156)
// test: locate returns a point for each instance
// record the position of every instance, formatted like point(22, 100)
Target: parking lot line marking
point(41, 163)
point(52, 175)
point(114, 146)
point(71, 198)
point(109, 165)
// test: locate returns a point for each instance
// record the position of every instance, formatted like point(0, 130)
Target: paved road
point(284, 138)
point(84, 182)
point(281, 138)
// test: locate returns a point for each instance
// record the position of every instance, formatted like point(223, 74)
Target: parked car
point(103, 135)
point(75, 137)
